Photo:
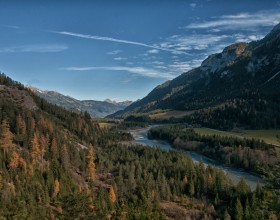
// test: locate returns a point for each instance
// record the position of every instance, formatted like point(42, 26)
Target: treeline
point(5, 80)
point(251, 154)
point(126, 125)
point(237, 113)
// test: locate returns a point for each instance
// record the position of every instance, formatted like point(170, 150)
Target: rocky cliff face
point(230, 54)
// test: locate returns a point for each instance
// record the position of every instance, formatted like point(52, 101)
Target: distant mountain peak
point(95, 108)
point(36, 90)
point(110, 101)
point(123, 103)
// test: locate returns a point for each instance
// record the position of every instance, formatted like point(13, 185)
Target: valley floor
point(268, 136)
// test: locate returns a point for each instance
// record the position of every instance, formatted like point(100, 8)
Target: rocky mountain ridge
point(94, 108)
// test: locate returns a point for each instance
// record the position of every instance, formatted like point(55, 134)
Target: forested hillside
point(240, 82)
point(57, 164)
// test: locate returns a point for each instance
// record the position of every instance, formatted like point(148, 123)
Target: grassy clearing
point(169, 114)
point(105, 124)
point(268, 136)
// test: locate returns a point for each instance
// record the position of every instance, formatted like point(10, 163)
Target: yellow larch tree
point(112, 194)
point(56, 187)
point(14, 160)
point(185, 180)
point(6, 136)
point(44, 143)
point(91, 164)
point(35, 150)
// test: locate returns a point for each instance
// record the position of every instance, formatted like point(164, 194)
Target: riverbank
point(141, 137)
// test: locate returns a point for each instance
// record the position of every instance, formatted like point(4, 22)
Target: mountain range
point(94, 108)
point(244, 76)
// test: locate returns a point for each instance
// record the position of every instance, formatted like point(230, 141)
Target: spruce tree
point(191, 187)
point(226, 215)
point(238, 210)
point(247, 214)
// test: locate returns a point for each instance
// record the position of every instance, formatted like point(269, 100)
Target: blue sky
point(121, 49)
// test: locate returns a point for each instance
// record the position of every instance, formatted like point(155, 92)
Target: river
point(140, 137)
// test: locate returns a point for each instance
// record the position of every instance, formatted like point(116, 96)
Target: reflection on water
point(235, 174)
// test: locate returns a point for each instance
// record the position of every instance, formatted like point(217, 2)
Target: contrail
point(94, 37)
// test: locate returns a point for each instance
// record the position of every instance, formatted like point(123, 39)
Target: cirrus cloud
point(35, 48)
point(147, 72)
point(239, 21)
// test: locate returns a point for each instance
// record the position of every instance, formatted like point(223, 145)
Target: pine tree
point(258, 190)
point(217, 200)
point(44, 143)
point(238, 211)
point(1, 182)
point(6, 136)
point(64, 156)
point(226, 215)
point(191, 187)
point(247, 210)
point(20, 129)
point(243, 187)
point(54, 150)
point(91, 164)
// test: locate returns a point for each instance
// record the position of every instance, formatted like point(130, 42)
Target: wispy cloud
point(193, 5)
point(10, 26)
point(101, 38)
point(157, 62)
point(247, 37)
point(35, 48)
point(129, 63)
point(147, 72)
point(153, 51)
point(126, 81)
point(240, 21)
point(114, 52)
point(180, 66)
point(193, 42)
point(161, 67)
point(120, 58)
